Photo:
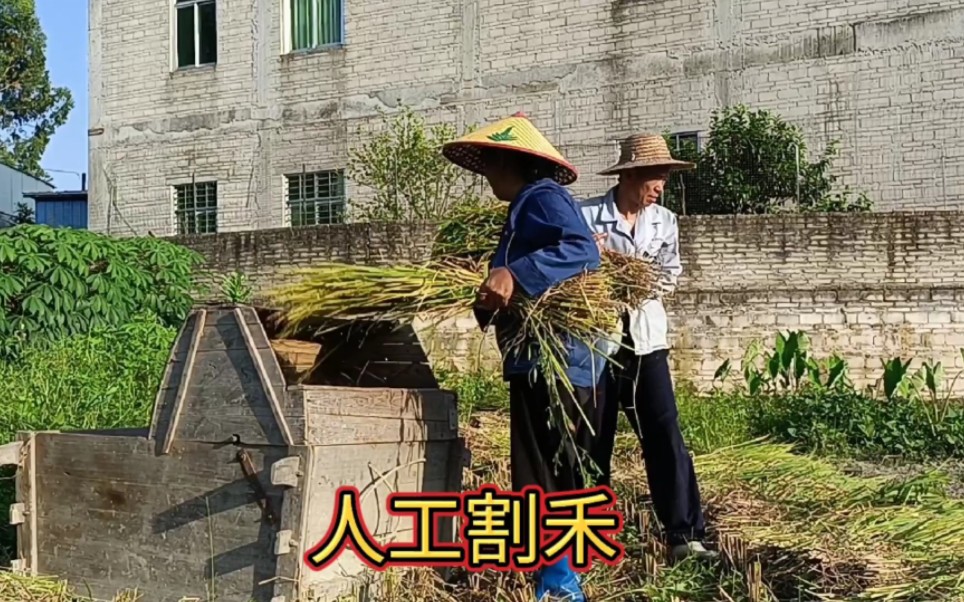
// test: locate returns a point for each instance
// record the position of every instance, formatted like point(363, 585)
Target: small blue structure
point(61, 208)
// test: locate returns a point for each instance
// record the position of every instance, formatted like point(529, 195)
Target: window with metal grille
point(316, 23)
point(196, 36)
point(196, 208)
point(316, 198)
point(682, 191)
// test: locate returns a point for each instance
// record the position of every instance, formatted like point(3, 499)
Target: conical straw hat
point(515, 133)
point(645, 150)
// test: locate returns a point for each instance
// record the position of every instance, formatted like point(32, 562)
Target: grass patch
point(107, 379)
point(103, 380)
point(478, 390)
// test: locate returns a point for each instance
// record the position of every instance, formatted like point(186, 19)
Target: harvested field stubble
point(791, 528)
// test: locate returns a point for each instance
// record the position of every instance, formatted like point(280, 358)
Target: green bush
point(57, 282)
point(794, 397)
point(851, 423)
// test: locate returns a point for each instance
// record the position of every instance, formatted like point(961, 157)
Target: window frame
point(693, 135)
point(335, 204)
point(178, 212)
point(175, 54)
point(287, 29)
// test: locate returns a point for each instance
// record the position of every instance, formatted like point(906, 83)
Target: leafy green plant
point(711, 422)
point(789, 366)
point(895, 379)
point(236, 288)
point(57, 282)
point(406, 171)
point(471, 228)
point(24, 215)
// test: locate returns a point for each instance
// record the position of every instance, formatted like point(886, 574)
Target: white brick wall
point(885, 77)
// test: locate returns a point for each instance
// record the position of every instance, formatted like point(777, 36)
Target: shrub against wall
point(61, 282)
point(753, 161)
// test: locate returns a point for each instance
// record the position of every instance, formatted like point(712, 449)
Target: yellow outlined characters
point(584, 527)
point(347, 526)
point(425, 549)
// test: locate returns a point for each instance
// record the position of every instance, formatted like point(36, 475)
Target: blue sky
point(65, 24)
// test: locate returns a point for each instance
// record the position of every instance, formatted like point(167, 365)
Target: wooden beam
point(266, 386)
point(11, 454)
point(182, 386)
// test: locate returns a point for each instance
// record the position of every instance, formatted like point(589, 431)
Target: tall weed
point(105, 379)
point(101, 380)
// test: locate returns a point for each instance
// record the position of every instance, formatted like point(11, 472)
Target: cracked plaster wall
point(885, 77)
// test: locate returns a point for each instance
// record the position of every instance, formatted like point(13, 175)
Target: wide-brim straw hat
point(515, 134)
point(645, 150)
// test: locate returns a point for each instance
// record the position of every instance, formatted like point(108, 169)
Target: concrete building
point(15, 188)
point(228, 115)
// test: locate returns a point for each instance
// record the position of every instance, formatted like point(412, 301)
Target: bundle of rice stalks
point(392, 293)
point(585, 308)
point(15, 587)
point(471, 229)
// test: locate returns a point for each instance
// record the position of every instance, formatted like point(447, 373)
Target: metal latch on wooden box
point(453, 418)
point(18, 513)
point(282, 543)
point(284, 472)
point(247, 467)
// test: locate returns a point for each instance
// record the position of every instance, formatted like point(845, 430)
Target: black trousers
point(643, 387)
point(535, 441)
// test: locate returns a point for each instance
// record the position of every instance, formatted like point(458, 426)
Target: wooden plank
point(182, 386)
point(226, 384)
point(173, 373)
point(27, 494)
point(293, 516)
point(177, 515)
point(269, 390)
point(352, 430)
point(11, 454)
point(425, 404)
point(222, 333)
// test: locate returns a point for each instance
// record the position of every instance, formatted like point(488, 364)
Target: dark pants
point(642, 386)
point(536, 442)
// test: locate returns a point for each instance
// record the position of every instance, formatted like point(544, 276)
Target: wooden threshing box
point(235, 479)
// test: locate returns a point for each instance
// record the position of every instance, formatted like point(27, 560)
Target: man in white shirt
point(628, 219)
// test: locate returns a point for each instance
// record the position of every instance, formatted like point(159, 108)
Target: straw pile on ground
point(791, 528)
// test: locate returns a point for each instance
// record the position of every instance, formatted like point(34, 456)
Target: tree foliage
point(755, 162)
point(56, 282)
point(25, 215)
point(404, 166)
point(31, 108)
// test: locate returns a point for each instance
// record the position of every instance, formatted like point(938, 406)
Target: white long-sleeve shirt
point(656, 236)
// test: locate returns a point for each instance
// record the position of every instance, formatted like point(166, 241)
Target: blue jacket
point(544, 242)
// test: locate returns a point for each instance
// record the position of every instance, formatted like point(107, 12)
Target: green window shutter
point(301, 24)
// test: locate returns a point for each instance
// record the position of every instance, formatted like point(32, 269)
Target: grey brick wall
point(885, 77)
point(869, 287)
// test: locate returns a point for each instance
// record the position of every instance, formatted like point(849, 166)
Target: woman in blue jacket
point(544, 242)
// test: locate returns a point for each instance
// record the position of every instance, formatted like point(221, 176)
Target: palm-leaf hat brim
point(516, 134)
